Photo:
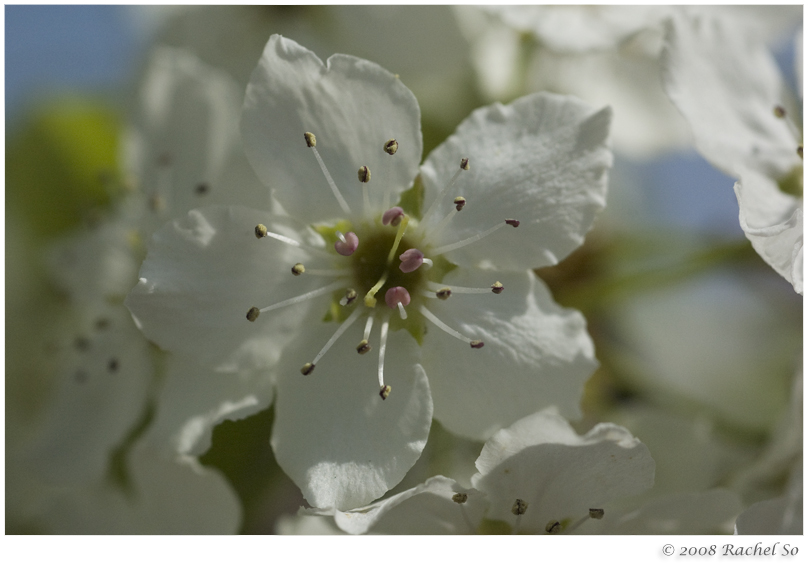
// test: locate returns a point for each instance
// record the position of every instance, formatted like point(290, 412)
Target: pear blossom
point(536, 477)
point(745, 121)
point(350, 263)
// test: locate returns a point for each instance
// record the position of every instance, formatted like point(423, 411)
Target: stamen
point(593, 514)
point(351, 295)
point(553, 527)
point(398, 297)
point(393, 216)
point(460, 499)
point(444, 327)
point(298, 269)
point(347, 244)
point(384, 392)
point(311, 142)
point(364, 347)
point(261, 232)
point(364, 174)
point(337, 334)
point(459, 203)
point(519, 508)
point(298, 299)
point(445, 189)
point(411, 259)
point(370, 300)
point(496, 288)
point(781, 113)
point(443, 294)
point(475, 238)
point(383, 341)
point(391, 146)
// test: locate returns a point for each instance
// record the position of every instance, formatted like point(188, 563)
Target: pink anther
point(396, 296)
point(411, 260)
point(347, 247)
point(393, 216)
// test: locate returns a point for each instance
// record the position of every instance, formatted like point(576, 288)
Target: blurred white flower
point(539, 164)
point(536, 477)
point(745, 121)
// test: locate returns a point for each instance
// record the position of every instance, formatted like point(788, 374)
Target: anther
point(363, 347)
point(298, 269)
point(112, 365)
point(307, 369)
point(779, 111)
point(459, 202)
point(497, 288)
point(464, 164)
point(411, 259)
point(364, 174)
point(596, 513)
point(393, 216)
point(347, 244)
point(311, 141)
point(553, 527)
point(201, 189)
point(261, 231)
point(384, 392)
point(513, 222)
point(398, 297)
point(460, 497)
point(519, 507)
point(253, 313)
point(443, 294)
point(349, 298)
point(391, 146)
point(476, 344)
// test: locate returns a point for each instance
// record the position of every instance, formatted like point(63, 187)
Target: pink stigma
point(393, 216)
point(347, 247)
point(395, 296)
point(411, 260)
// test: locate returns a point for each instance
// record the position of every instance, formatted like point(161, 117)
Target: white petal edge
point(352, 106)
point(559, 474)
point(542, 160)
point(204, 272)
point(535, 354)
point(333, 434)
point(773, 222)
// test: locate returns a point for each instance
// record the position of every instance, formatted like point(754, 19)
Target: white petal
point(352, 106)
point(185, 135)
point(99, 262)
point(201, 276)
point(195, 399)
point(542, 160)
point(576, 29)
point(535, 354)
point(333, 435)
point(103, 386)
point(427, 509)
point(167, 498)
point(560, 475)
point(727, 86)
point(693, 513)
point(773, 222)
